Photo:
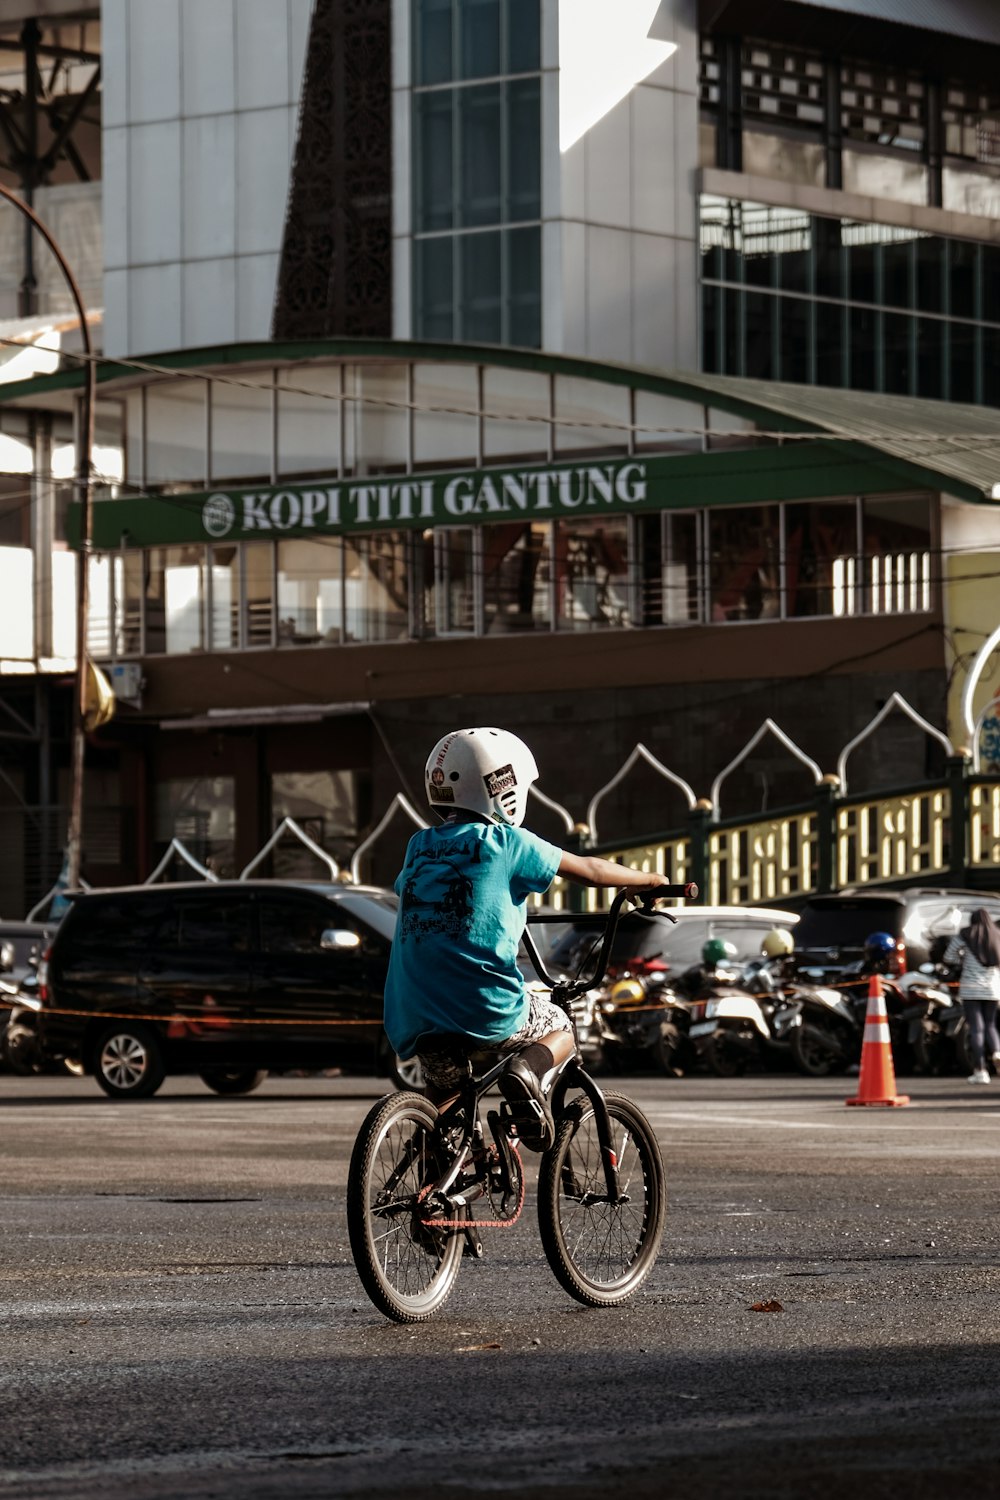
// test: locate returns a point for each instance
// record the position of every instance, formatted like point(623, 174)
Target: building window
point(782, 85)
point(258, 594)
point(821, 554)
point(325, 806)
point(477, 170)
point(461, 39)
point(343, 589)
point(175, 600)
point(592, 575)
point(517, 578)
point(223, 598)
point(744, 576)
point(798, 297)
point(201, 813)
point(376, 587)
point(310, 592)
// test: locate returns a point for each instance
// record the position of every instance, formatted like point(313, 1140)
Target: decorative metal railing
point(893, 837)
point(984, 826)
point(947, 832)
point(944, 831)
point(750, 864)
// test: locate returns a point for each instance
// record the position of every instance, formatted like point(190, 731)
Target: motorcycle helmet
point(717, 951)
point(778, 943)
point(486, 771)
point(880, 947)
point(627, 992)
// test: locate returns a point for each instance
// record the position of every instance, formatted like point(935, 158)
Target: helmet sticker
point(499, 781)
point(441, 793)
point(437, 776)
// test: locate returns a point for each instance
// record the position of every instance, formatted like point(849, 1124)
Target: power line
point(553, 419)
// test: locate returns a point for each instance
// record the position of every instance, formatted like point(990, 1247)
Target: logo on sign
point(218, 515)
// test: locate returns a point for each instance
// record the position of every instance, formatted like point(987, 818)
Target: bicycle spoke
point(604, 1239)
point(407, 1268)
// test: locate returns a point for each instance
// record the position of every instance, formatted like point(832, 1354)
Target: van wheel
point(128, 1062)
point(233, 1080)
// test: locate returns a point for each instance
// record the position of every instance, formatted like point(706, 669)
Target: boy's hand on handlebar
point(657, 890)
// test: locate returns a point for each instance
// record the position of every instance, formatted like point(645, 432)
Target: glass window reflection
point(855, 330)
point(517, 572)
point(591, 574)
point(744, 581)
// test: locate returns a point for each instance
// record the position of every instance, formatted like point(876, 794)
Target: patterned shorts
point(447, 1066)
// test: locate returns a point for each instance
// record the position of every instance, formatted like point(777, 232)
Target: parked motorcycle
point(936, 1020)
point(20, 1049)
point(827, 1021)
point(644, 1021)
point(740, 1017)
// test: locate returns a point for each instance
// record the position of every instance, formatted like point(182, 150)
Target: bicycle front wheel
point(601, 1252)
point(407, 1268)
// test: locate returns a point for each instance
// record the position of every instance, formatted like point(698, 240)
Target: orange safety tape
point(204, 1020)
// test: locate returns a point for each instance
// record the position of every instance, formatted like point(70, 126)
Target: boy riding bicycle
point(454, 985)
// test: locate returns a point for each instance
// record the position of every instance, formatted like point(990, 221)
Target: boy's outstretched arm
point(590, 869)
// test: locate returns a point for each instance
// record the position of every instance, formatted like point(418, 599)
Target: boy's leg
point(543, 1044)
point(548, 1053)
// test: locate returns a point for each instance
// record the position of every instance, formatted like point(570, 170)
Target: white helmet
point(778, 943)
point(486, 771)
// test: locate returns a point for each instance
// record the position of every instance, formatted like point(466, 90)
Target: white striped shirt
point(978, 981)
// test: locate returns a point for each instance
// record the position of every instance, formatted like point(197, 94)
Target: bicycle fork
point(576, 1075)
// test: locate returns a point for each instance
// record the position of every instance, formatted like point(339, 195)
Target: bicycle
point(601, 1194)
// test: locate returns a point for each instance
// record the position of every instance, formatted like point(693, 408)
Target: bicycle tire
point(407, 1271)
point(600, 1252)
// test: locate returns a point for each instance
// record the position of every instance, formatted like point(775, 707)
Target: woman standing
point(978, 948)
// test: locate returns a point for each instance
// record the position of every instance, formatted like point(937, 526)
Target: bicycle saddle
point(448, 1046)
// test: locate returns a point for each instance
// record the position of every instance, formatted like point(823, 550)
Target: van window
point(220, 925)
point(834, 926)
point(115, 922)
point(296, 926)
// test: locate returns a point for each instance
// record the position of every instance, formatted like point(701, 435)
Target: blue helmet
point(879, 947)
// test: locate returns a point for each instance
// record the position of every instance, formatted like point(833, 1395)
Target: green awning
point(932, 444)
point(954, 447)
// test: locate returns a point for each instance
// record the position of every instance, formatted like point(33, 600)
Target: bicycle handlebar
point(645, 898)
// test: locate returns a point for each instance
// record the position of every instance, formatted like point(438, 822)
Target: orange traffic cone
point(877, 1084)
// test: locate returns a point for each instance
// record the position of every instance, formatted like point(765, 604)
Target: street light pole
point(84, 494)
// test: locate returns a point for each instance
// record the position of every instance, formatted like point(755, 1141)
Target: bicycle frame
point(573, 1075)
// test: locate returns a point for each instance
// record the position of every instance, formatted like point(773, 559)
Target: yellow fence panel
point(762, 861)
point(984, 824)
point(889, 838)
point(671, 859)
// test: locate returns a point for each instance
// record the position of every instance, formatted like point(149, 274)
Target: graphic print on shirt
point(437, 894)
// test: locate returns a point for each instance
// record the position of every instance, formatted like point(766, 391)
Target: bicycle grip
point(687, 891)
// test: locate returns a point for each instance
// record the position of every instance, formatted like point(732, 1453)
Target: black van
point(230, 980)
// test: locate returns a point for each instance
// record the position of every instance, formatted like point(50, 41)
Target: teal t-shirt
point(453, 967)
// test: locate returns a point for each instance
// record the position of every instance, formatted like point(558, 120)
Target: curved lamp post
point(85, 443)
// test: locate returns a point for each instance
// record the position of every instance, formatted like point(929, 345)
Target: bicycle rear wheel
point(601, 1252)
point(407, 1269)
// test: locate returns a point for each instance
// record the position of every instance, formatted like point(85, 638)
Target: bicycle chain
point(480, 1223)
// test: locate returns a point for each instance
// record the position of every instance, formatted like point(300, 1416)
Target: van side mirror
point(339, 940)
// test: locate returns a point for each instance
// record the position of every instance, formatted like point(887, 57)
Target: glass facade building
point(788, 295)
point(583, 561)
point(477, 171)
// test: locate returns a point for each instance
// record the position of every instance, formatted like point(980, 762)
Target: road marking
point(773, 1124)
point(714, 1119)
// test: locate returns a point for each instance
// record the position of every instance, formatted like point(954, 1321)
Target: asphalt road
point(180, 1315)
